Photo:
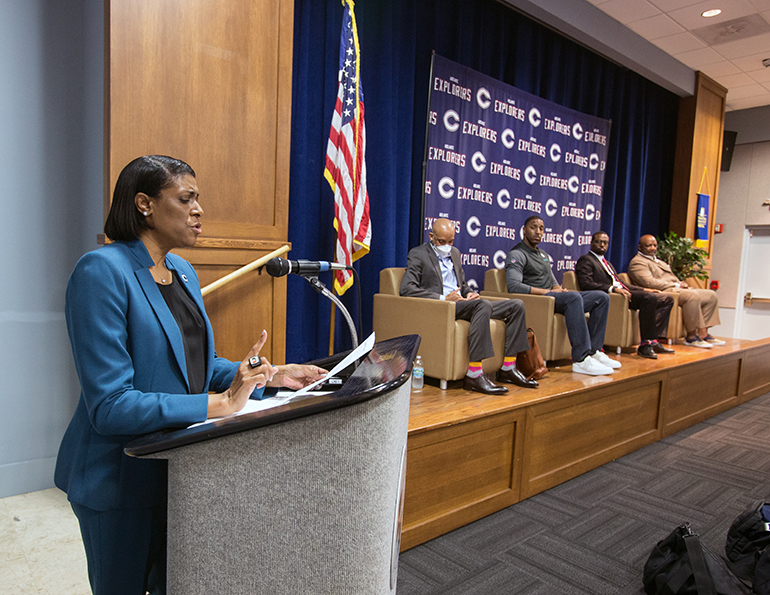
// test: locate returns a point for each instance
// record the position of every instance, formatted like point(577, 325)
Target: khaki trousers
point(700, 308)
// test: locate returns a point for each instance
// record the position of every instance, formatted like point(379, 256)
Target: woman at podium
point(144, 352)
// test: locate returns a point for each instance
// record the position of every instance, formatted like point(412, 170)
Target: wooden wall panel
point(570, 436)
point(459, 474)
point(209, 82)
point(698, 145)
point(755, 373)
point(695, 396)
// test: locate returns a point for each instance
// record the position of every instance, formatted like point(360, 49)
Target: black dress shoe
point(482, 384)
point(646, 351)
point(514, 376)
point(658, 348)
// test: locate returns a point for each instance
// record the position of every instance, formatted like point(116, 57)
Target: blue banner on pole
point(702, 237)
point(497, 155)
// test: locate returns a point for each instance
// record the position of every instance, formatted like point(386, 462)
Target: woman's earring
point(145, 213)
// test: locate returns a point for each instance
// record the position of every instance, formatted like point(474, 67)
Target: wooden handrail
point(749, 299)
point(243, 270)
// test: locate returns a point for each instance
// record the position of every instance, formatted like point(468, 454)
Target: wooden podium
point(303, 498)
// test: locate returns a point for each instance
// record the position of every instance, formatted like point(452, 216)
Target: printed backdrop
point(497, 155)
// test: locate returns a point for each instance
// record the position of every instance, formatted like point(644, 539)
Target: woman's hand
point(245, 381)
point(296, 376)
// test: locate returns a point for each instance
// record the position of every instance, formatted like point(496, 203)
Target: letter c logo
point(504, 198)
point(473, 226)
point(555, 152)
point(530, 175)
point(483, 98)
point(590, 212)
point(534, 117)
point(508, 138)
point(499, 259)
point(574, 184)
point(593, 161)
point(569, 237)
point(446, 187)
point(551, 207)
point(451, 120)
point(478, 161)
point(577, 131)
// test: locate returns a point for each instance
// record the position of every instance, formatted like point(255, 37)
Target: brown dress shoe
point(514, 376)
point(482, 384)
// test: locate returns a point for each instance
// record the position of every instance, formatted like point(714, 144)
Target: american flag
point(345, 157)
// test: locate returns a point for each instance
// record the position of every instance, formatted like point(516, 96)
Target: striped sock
point(474, 369)
point(509, 363)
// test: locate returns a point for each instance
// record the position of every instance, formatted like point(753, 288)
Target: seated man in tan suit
point(700, 307)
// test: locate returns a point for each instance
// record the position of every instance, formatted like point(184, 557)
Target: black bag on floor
point(747, 544)
point(681, 565)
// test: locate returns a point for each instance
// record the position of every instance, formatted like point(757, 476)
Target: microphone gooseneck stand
point(321, 288)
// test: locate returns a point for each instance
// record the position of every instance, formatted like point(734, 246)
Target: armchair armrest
point(433, 320)
point(540, 314)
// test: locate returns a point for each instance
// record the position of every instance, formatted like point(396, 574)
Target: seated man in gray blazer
point(700, 307)
point(434, 271)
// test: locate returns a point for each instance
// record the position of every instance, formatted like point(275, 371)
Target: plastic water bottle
point(418, 374)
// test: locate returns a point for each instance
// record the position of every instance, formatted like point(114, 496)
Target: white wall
point(741, 193)
point(51, 73)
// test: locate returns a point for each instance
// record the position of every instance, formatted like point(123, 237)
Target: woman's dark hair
point(149, 174)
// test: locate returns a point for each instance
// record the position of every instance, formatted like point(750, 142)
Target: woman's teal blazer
point(130, 361)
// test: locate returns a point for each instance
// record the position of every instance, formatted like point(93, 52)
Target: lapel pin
point(184, 278)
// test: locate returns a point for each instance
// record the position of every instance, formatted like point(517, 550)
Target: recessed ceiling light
point(711, 13)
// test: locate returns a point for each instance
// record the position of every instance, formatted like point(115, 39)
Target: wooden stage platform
point(469, 455)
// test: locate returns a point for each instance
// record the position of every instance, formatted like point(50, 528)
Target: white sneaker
point(591, 367)
point(713, 340)
point(603, 359)
point(696, 342)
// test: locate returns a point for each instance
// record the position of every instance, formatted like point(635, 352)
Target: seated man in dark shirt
point(528, 270)
point(434, 271)
point(594, 271)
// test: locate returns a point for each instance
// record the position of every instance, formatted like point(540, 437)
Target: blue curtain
point(397, 39)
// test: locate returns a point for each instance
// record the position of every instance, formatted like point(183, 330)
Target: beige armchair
point(622, 322)
point(444, 344)
point(550, 328)
point(675, 322)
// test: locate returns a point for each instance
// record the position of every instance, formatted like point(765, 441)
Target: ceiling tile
point(690, 17)
point(745, 47)
point(699, 58)
point(669, 5)
point(655, 27)
point(748, 102)
point(680, 43)
point(761, 5)
point(721, 69)
point(627, 11)
point(736, 80)
point(761, 76)
point(752, 63)
point(746, 91)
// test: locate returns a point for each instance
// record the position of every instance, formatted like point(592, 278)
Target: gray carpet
point(592, 535)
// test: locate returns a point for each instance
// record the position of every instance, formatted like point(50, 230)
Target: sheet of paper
point(359, 352)
point(285, 395)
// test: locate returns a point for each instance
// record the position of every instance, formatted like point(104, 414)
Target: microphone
point(278, 267)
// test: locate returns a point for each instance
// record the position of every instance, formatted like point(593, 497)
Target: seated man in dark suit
point(434, 271)
point(594, 271)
